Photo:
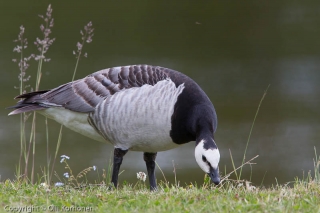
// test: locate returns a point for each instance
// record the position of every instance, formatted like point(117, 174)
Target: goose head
point(208, 156)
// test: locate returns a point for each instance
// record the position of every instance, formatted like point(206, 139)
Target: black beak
point(214, 175)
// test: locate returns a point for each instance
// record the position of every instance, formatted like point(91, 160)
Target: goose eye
point(204, 158)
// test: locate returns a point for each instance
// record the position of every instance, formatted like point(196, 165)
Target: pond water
point(232, 50)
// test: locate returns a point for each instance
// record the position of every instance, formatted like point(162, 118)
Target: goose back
point(85, 94)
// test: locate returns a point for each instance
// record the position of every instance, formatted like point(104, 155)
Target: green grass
point(301, 197)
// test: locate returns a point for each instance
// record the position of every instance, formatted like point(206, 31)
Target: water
point(232, 50)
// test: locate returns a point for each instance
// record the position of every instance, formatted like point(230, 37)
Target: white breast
point(139, 118)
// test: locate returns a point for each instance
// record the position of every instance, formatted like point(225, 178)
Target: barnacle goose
point(140, 108)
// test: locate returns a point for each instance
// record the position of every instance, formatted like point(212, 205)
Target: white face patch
point(205, 156)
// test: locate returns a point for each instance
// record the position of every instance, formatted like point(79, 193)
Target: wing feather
point(85, 94)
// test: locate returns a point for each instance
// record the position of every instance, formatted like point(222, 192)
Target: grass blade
point(254, 120)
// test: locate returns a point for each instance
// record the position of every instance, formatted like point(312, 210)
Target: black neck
point(207, 136)
point(205, 127)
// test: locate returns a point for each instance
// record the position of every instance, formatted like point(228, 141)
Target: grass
point(302, 197)
point(76, 195)
point(23, 64)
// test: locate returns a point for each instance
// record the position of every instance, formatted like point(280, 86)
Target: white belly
point(139, 118)
point(75, 121)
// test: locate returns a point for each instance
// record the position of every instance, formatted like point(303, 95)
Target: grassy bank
point(301, 197)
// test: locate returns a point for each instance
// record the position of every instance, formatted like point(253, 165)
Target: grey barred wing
point(85, 94)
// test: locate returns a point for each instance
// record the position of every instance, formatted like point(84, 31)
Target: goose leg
point(150, 158)
point(117, 161)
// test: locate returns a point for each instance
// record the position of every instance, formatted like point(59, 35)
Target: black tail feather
point(27, 108)
point(31, 101)
point(31, 94)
